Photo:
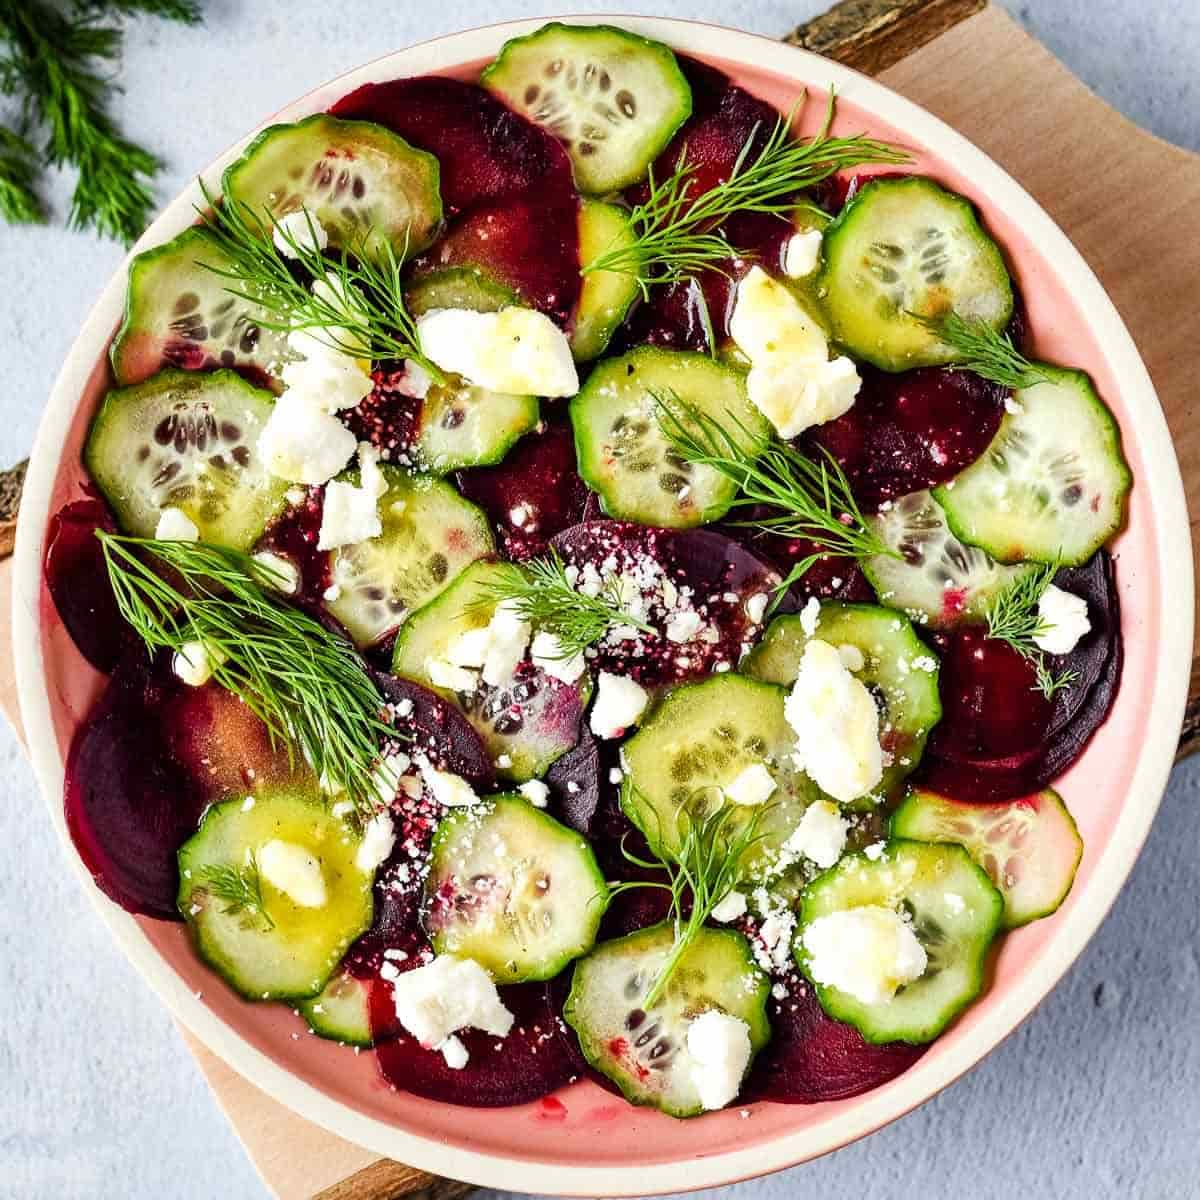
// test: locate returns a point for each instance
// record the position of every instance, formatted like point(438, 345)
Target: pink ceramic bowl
point(592, 1143)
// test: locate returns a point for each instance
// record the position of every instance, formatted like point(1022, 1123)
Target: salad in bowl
point(595, 583)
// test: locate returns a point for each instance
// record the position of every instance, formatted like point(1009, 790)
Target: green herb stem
point(1013, 617)
point(986, 351)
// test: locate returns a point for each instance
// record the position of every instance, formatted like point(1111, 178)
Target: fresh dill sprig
point(19, 203)
point(361, 311)
point(185, 11)
point(677, 232)
point(811, 497)
point(985, 351)
point(305, 683)
point(1013, 617)
point(543, 594)
point(240, 889)
point(707, 867)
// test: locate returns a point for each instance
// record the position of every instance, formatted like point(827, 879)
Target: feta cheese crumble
point(1065, 617)
point(174, 525)
point(719, 1046)
point(803, 253)
point(194, 663)
point(379, 836)
point(820, 836)
point(752, 786)
point(455, 1053)
point(869, 952)
point(285, 575)
point(299, 229)
point(293, 871)
point(730, 907)
point(536, 792)
point(351, 512)
point(546, 653)
point(450, 790)
point(435, 1001)
point(303, 443)
point(619, 703)
point(445, 674)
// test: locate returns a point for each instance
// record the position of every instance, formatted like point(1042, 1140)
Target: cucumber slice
point(340, 1011)
point(612, 98)
point(898, 668)
point(936, 579)
point(430, 533)
point(457, 287)
point(1052, 485)
point(527, 725)
point(644, 1052)
point(287, 950)
point(1030, 847)
point(902, 249)
point(186, 441)
point(462, 425)
point(606, 296)
point(955, 913)
point(513, 889)
point(622, 452)
point(365, 184)
point(179, 312)
point(698, 740)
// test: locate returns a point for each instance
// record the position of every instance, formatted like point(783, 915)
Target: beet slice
point(77, 580)
point(812, 1058)
point(574, 782)
point(388, 418)
point(910, 431)
point(535, 493)
point(294, 535)
point(128, 806)
point(721, 574)
point(532, 1061)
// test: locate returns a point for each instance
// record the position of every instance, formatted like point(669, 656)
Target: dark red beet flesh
point(294, 535)
point(811, 1057)
point(388, 418)
point(534, 493)
point(910, 431)
point(78, 582)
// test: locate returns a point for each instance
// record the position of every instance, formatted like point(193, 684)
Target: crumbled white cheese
point(445, 674)
point(731, 906)
point(351, 512)
point(284, 574)
point(379, 836)
point(385, 779)
point(619, 703)
point(836, 725)
point(683, 626)
point(194, 662)
point(820, 835)
point(293, 871)
point(508, 638)
point(416, 381)
point(810, 616)
point(803, 253)
point(869, 952)
point(875, 851)
point(299, 229)
point(174, 525)
point(753, 785)
point(852, 657)
point(455, 1053)
point(1065, 616)
point(546, 654)
point(302, 442)
point(435, 1001)
point(517, 350)
point(536, 792)
point(470, 648)
point(756, 607)
point(719, 1046)
point(448, 789)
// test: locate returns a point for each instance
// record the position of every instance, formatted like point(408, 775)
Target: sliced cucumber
point(457, 287)
point(955, 913)
point(612, 98)
point(286, 949)
point(365, 184)
point(1052, 485)
point(340, 1011)
point(466, 426)
point(904, 249)
point(623, 453)
point(697, 741)
point(525, 726)
point(645, 1052)
point(178, 312)
point(187, 441)
point(1030, 847)
point(898, 668)
point(430, 533)
point(606, 296)
point(513, 889)
point(936, 579)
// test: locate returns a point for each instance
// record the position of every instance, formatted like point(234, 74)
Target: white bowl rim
point(1154, 756)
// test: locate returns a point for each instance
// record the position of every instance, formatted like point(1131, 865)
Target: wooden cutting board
point(972, 66)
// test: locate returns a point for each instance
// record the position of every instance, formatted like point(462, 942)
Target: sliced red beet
point(910, 431)
point(829, 578)
point(294, 535)
point(129, 807)
point(719, 576)
point(532, 1061)
point(77, 580)
point(388, 418)
point(574, 782)
point(999, 738)
point(534, 493)
point(812, 1058)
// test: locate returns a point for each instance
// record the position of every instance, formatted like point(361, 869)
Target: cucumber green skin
point(776, 659)
point(405, 242)
point(924, 348)
point(606, 296)
point(588, 177)
point(340, 1019)
point(753, 1011)
point(909, 821)
point(457, 287)
point(963, 518)
point(533, 967)
point(843, 1007)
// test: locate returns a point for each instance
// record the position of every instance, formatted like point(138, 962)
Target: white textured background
point(1097, 1096)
